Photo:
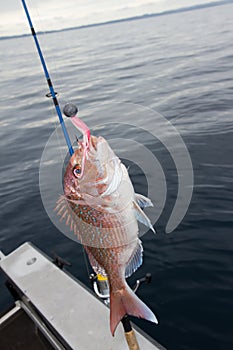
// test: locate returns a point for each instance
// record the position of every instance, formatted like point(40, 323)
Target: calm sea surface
point(180, 65)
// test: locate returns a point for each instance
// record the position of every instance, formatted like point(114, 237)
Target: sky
point(59, 14)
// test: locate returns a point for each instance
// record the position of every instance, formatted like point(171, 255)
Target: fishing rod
point(48, 79)
point(71, 110)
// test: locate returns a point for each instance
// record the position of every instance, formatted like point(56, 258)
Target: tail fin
point(125, 302)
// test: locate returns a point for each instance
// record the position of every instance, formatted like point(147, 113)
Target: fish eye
point(77, 170)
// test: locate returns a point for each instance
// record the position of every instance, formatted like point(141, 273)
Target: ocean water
point(180, 65)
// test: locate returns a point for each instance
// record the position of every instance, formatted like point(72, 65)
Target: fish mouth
point(89, 143)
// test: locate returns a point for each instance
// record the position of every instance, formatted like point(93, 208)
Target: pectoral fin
point(143, 201)
point(141, 216)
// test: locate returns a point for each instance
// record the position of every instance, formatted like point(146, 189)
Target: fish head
point(98, 196)
point(91, 169)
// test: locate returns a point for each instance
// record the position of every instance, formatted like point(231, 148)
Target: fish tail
point(125, 301)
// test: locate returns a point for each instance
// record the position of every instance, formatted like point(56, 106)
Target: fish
point(102, 209)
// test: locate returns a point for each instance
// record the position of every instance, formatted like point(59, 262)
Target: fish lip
point(89, 149)
point(83, 128)
point(92, 148)
point(86, 145)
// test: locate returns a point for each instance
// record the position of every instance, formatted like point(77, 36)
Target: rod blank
point(48, 79)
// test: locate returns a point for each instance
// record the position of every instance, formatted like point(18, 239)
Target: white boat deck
point(71, 310)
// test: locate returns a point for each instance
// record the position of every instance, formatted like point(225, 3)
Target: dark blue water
point(180, 65)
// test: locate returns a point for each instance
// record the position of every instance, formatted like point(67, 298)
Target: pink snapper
point(102, 209)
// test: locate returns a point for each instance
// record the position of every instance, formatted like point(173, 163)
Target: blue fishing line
point(52, 92)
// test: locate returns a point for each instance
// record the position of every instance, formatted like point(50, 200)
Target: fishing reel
point(101, 286)
point(146, 279)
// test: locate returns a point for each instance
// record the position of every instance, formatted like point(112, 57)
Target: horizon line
point(133, 18)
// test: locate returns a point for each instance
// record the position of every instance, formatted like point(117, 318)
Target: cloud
point(56, 14)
